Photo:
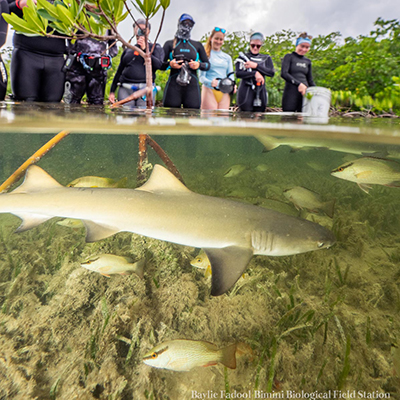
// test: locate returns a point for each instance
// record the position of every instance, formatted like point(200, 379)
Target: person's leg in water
point(26, 70)
point(52, 80)
point(3, 80)
point(173, 93)
point(208, 100)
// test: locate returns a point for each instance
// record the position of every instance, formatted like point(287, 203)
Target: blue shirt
point(221, 66)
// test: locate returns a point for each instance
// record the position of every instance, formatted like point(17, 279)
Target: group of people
point(46, 69)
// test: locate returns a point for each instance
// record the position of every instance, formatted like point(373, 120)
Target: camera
point(140, 32)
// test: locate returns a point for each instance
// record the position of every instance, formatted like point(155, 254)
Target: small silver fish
point(97, 182)
point(234, 170)
point(304, 198)
point(183, 355)
point(367, 171)
point(109, 264)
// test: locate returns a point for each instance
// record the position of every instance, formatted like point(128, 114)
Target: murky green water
point(316, 322)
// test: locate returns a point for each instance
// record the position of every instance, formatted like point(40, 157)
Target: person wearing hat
point(131, 72)
point(184, 56)
point(217, 84)
point(252, 68)
point(296, 71)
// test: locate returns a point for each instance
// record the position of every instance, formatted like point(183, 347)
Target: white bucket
point(316, 102)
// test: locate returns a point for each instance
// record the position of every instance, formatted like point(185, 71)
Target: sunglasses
point(257, 46)
point(216, 29)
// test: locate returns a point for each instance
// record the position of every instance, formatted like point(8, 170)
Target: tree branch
point(159, 31)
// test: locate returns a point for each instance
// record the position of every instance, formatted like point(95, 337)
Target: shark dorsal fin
point(162, 180)
point(36, 179)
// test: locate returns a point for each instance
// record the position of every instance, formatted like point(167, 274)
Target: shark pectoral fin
point(96, 232)
point(227, 266)
point(30, 221)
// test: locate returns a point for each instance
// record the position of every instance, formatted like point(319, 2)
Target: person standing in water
point(3, 37)
point(296, 71)
point(36, 64)
point(131, 72)
point(184, 57)
point(87, 73)
point(252, 68)
point(213, 96)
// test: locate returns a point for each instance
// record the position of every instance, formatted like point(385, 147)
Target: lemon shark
point(163, 208)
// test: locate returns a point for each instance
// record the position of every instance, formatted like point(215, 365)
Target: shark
point(230, 232)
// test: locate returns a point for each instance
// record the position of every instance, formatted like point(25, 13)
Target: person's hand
point(111, 97)
point(259, 78)
point(302, 88)
point(214, 83)
point(234, 89)
point(23, 3)
point(141, 42)
point(176, 64)
point(250, 64)
point(194, 64)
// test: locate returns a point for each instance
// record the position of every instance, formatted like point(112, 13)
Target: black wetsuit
point(3, 37)
point(90, 81)
point(187, 96)
point(36, 66)
point(132, 71)
point(296, 69)
point(248, 86)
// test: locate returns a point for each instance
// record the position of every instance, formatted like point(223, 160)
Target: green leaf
point(165, 3)
point(19, 24)
point(46, 15)
point(50, 8)
point(64, 15)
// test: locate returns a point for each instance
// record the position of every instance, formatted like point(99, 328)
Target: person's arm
point(167, 50)
point(266, 68)
point(310, 79)
point(203, 78)
point(3, 23)
point(242, 72)
point(14, 8)
point(285, 71)
point(118, 74)
point(157, 57)
point(229, 69)
point(204, 62)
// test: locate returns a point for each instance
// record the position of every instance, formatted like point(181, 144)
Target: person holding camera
point(184, 56)
point(217, 84)
point(252, 67)
point(131, 72)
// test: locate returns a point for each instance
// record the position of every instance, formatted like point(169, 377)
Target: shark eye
point(154, 356)
point(321, 244)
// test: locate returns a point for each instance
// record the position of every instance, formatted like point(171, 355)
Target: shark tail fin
point(227, 266)
point(228, 356)
point(36, 179)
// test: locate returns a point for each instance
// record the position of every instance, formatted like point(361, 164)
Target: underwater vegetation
point(319, 321)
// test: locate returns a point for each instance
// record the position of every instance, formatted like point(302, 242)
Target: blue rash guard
point(221, 67)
